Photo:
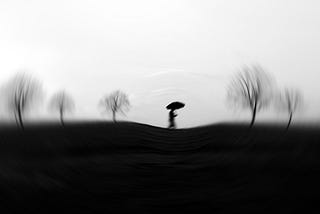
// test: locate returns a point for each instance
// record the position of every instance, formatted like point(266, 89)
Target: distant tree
point(62, 102)
point(22, 92)
point(251, 88)
point(115, 102)
point(289, 100)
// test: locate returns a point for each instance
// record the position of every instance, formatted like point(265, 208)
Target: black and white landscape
point(171, 106)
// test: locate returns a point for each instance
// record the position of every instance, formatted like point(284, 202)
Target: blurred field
point(129, 167)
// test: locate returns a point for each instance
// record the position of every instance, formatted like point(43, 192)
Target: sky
point(162, 51)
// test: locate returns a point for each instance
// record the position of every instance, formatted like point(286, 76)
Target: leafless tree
point(22, 91)
point(115, 102)
point(289, 100)
point(63, 103)
point(251, 88)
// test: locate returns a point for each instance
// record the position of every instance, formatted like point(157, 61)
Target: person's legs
point(171, 125)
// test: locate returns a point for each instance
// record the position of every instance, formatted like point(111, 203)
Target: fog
point(162, 51)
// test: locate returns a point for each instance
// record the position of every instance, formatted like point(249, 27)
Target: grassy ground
point(129, 167)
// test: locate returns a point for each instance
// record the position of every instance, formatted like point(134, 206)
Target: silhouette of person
point(172, 115)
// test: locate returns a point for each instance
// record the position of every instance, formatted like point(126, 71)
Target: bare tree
point(251, 88)
point(63, 103)
point(22, 91)
point(115, 102)
point(289, 100)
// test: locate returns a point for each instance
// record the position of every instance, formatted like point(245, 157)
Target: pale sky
point(162, 51)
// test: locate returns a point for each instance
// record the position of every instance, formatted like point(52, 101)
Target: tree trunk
point(289, 122)
point(61, 117)
point(254, 112)
point(20, 119)
point(114, 116)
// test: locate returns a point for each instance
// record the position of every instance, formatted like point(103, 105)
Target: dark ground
point(129, 167)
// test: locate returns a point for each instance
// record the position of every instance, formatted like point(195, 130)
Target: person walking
point(172, 114)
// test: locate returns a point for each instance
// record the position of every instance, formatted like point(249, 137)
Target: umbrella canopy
point(175, 105)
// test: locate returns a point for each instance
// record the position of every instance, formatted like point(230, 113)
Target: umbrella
point(175, 105)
